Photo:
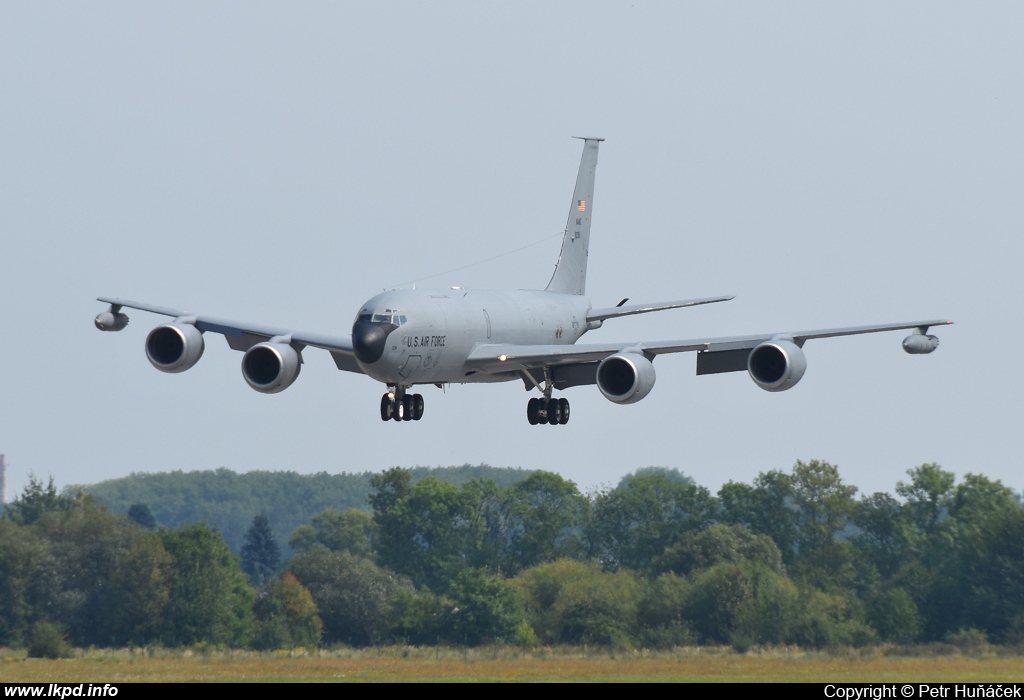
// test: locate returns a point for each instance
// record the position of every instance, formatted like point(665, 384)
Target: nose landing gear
point(397, 405)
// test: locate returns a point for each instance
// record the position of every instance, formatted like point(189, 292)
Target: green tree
point(137, 594)
point(35, 500)
point(286, 616)
point(547, 514)
point(140, 513)
point(209, 599)
point(427, 531)
point(632, 525)
point(260, 553)
point(88, 544)
point(356, 599)
point(572, 602)
point(351, 531)
point(883, 537)
point(29, 584)
point(487, 609)
point(823, 505)
point(720, 543)
point(766, 507)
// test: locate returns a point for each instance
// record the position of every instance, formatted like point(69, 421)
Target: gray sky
point(830, 164)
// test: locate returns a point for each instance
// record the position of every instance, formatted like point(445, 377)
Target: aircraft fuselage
point(428, 335)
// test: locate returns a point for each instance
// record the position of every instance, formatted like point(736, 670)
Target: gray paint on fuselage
point(444, 326)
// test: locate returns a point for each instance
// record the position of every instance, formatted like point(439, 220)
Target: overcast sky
point(830, 164)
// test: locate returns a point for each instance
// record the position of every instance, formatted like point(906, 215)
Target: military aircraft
point(406, 338)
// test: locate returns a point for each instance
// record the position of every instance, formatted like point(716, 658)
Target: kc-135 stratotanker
point(410, 337)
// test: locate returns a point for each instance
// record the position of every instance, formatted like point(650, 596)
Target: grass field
point(505, 664)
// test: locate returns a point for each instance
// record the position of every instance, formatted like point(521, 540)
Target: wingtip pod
point(920, 344)
point(111, 321)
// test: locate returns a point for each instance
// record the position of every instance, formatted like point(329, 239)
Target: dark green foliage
point(720, 543)
point(46, 641)
point(286, 616)
point(260, 553)
point(28, 581)
point(673, 475)
point(88, 545)
point(140, 513)
point(139, 590)
point(356, 599)
point(228, 501)
point(894, 615)
point(661, 613)
point(353, 531)
point(36, 500)
point(766, 507)
point(633, 524)
point(545, 516)
point(426, 530)
point(209, 600)
point(946, 563)
point(571, 602)
point(486, 609)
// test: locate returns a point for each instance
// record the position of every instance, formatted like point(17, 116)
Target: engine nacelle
point(271, 367)
point(776, 365)
point(919, 344)
point(174, 347)
point(109, 321)
point(626, 377)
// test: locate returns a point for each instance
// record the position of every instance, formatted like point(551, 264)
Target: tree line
point(795, 557)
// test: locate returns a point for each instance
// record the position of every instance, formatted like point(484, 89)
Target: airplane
point(407, 338)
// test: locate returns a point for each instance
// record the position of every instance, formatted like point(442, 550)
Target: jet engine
point(920, 344)
point(271, 367)
point(625, 377)
point(776, 365)
point(174, 347)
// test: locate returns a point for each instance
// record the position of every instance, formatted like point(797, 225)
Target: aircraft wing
point(243, 335)
point(511, 358)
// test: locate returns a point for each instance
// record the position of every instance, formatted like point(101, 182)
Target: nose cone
point(369, 340)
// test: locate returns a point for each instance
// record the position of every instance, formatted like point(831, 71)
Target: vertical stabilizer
point(571, 269)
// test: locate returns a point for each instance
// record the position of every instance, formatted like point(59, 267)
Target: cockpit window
point(387, 317)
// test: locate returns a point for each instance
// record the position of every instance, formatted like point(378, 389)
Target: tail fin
point(571, 269)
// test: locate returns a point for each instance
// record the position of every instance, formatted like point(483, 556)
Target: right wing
point(242, 335)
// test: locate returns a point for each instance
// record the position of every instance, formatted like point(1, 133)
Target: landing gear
point(547, 411)
point(397, 405)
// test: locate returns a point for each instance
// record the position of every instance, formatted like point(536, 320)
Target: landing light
point(502, 358)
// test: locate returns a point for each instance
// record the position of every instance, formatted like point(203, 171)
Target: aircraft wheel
point(533, 411)
point(417, 406)
point(554, 411)
point(407, 407)
point(387, 407)
point(564, 417)
point(542, 411)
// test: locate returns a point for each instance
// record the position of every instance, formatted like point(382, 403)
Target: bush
point(46, 641)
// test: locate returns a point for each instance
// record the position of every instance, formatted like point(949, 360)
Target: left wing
point(239, 334)
point(715, 355)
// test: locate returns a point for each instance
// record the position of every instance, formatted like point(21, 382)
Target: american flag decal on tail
point(582, 206)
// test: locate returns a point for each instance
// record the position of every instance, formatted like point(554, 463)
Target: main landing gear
point(397, 405)
point(548, 410)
